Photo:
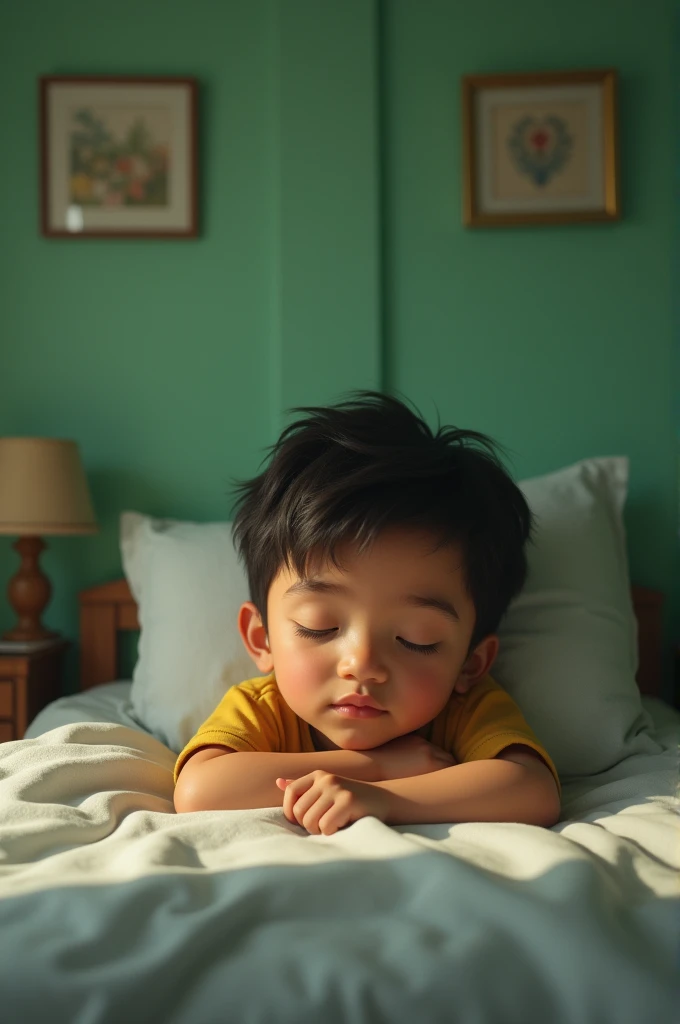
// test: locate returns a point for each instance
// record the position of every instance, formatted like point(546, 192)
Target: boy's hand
point(406, 756)
point(322, 803)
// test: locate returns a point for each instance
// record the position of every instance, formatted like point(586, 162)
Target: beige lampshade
point(43, 488)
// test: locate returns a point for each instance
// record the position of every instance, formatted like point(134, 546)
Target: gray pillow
point(568, 652)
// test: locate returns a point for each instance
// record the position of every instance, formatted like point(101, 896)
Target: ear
point(477, 664)
point(254, 637)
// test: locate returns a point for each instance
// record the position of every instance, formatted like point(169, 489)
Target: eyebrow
point(313, 586)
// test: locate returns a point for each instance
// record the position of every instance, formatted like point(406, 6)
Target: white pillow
point(189, 585)
point(568, 652)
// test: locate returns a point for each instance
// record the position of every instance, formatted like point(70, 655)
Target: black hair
point(347, 471)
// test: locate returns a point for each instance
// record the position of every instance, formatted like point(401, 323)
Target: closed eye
point(313, 634)
point(419, 648)
point(319, 634)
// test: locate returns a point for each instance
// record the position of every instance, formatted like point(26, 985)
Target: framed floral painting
point(118, 157)
point(540, 148)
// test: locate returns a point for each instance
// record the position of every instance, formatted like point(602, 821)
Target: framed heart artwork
point(540, 148)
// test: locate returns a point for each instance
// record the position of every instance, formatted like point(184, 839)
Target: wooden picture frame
point(540, 148)
point(118, 157)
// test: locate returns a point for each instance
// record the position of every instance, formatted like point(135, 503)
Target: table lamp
point(43, 490)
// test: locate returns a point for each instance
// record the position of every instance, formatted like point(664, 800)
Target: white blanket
point(115, 910)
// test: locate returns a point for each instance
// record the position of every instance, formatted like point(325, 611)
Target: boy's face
point(393, 625)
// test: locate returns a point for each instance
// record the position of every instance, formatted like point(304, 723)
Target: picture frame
point(540, 148)
point(118, 157)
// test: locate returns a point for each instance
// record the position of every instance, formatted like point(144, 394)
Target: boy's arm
point(216, 778)
point(516, 785)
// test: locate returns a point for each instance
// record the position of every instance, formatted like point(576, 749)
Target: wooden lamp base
point(29, 591)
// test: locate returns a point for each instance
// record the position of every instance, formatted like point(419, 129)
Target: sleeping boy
point(381, 557)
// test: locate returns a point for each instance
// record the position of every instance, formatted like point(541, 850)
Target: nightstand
point(27, 683)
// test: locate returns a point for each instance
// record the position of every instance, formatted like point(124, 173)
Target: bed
point(113, 908)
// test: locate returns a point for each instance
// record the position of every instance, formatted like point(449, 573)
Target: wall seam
point(276, 338)
point(382, 227)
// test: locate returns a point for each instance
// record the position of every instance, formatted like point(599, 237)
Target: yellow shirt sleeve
point(487, 722)
point(245, 720)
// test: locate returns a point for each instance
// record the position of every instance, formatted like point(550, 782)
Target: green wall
point(332, 256)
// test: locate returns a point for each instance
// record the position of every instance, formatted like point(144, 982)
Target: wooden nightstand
point(27, 683)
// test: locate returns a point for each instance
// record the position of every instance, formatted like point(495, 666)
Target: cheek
point(429, 689)
point(299, 670)
point(428, 678)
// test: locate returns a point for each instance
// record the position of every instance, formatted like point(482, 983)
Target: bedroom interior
point(332, 254)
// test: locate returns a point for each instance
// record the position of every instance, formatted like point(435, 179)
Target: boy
point(380, 558)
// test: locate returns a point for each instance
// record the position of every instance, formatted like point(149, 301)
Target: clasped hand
point(322, 802)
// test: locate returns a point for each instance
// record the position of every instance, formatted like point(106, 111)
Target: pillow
point(568, 652)
point(189, 585)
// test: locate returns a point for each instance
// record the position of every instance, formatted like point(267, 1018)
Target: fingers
point(305, 803)
point(288, 801)
point(310, 806)
point(299, 796)
point(337, 816)
point(289, 797)
point(311, 819)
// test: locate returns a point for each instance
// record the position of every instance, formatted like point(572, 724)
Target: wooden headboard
point(109, 609)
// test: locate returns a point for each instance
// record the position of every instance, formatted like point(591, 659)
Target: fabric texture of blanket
point(115, 909)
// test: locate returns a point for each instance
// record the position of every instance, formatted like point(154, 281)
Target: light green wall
point(332, 256)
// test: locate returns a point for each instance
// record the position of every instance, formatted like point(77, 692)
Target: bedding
point(108, 703)
point(113, 908)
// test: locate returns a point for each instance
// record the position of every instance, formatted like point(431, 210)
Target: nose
point(360, 661)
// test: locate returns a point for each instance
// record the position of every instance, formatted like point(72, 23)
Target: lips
point(357, 700)
point(356, 705)
point(353, 711)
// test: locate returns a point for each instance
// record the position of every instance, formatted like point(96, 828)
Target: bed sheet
point(114, 908)
point(109, 702)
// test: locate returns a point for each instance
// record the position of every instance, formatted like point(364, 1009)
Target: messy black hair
point(345, 472)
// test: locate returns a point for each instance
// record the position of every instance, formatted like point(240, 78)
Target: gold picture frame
point(540, 148)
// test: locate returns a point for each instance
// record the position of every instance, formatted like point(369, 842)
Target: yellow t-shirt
point(472, 726)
